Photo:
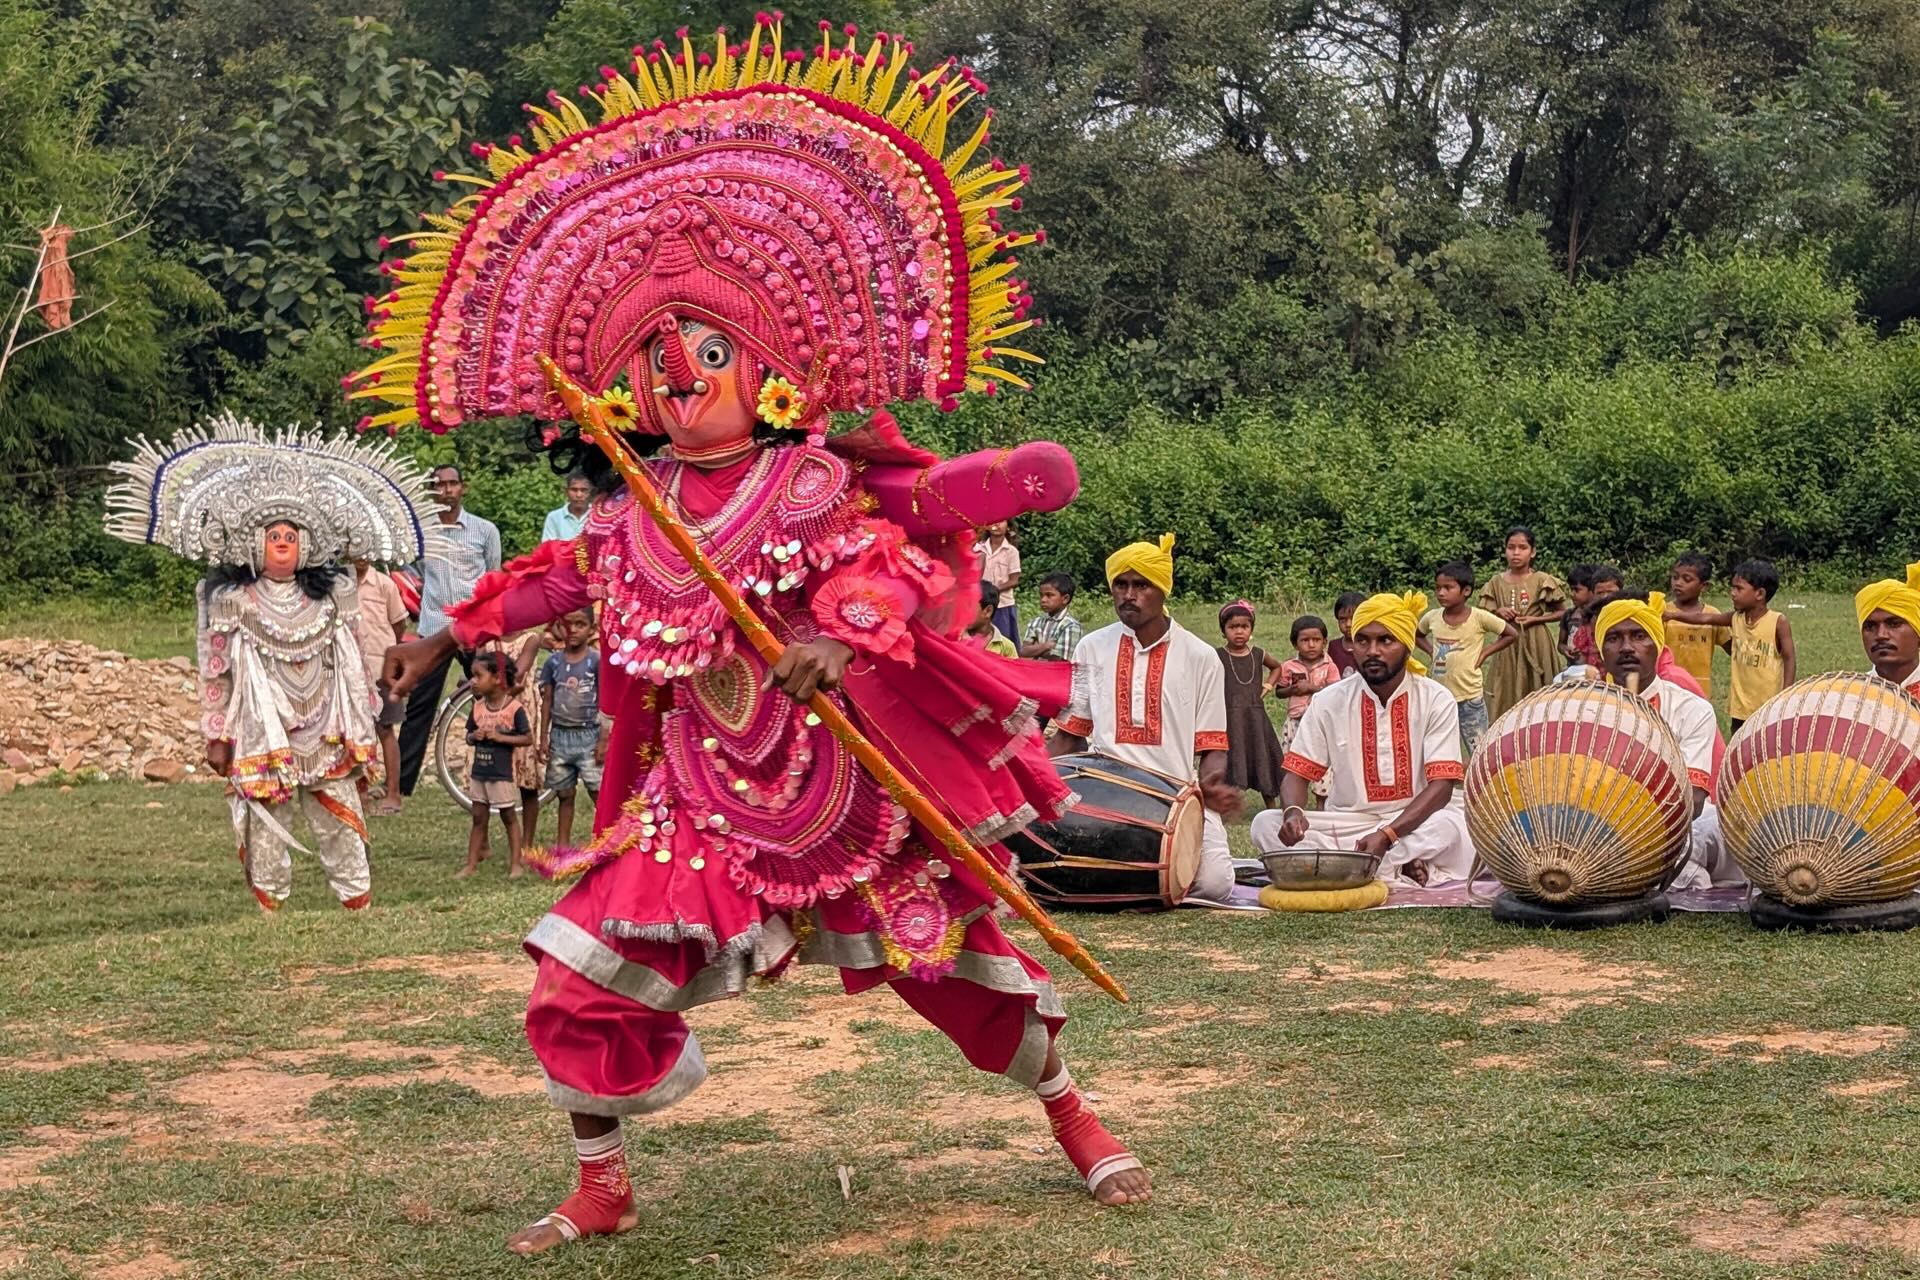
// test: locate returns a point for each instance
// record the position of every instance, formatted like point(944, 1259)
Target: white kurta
point(1692, 719)
point(1157, 706)
point(1377, 756)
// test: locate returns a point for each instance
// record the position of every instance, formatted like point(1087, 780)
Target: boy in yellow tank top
point(1692, 647)
point(1759, 638)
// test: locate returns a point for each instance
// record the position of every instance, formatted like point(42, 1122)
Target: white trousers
point(1709, 865)
point(1214, 881)
point(268, 856)
point(1441, 841)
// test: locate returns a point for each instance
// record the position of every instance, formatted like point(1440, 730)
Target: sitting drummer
point(1631, 634)
point(1394, 791)
point(1149, 692)
point(1889, 614)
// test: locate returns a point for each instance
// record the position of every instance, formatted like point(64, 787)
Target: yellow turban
point(1649, 613)
point(1901, 599)
point(1400, 615)
point(1154, 563)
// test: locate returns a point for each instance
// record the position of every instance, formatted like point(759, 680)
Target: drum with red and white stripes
point(1820, 793)
point(1579, 795)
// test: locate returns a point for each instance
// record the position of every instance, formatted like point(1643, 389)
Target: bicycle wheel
point(453, 755)
point(451, 752)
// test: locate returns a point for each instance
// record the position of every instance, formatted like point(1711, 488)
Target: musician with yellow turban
point(1630, 632)
point(1889, 615)
point(1149, 692)
point(1387, 739)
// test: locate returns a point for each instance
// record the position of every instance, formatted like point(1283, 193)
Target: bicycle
point(452, 754)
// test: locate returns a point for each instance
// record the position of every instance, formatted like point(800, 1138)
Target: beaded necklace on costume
point(661, 621)
point(280, 618)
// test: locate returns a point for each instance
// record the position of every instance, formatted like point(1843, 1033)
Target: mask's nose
point(680, 379)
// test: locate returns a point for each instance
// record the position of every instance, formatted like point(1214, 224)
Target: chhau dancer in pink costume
point(749, 240)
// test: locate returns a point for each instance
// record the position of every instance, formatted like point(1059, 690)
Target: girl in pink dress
point(749, 244)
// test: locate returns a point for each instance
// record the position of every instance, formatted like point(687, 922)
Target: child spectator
point(1306, 673)
point(1253, 749)
point(570, 704)
point(1530, 599)
point(983, 632)
point(1341, 650)
point(1457, 636)
point(1579, 594)
point(1759, 638)
point(1052, 636)
point(382, 623)
point(1692, 645)
point(495, 727)
point(1000, 567)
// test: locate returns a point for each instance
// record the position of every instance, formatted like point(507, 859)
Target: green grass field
point(189, 1089)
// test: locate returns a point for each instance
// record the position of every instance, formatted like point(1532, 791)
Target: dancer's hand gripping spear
point(587, 410)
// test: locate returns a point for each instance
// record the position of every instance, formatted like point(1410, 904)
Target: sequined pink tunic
point(735, 834)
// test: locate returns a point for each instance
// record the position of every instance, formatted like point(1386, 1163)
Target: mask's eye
point(659, 358)
point(716, 353)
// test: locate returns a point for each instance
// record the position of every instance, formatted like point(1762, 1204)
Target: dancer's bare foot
point(466, 871)
point(1126, 1186)
point(516, 871)
point(388, 808)
point(545, 1234)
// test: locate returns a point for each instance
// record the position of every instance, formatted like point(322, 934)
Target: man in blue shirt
point(563, 523)
point(472, 549)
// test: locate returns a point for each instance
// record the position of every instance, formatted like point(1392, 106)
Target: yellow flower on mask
point(781, 403)
point(619, 406)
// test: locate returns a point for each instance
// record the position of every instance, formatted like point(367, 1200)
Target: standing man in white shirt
point(563, 523)
point(1388, 740)
point(471, 547)
point(1149, 692)
point(1000, 565)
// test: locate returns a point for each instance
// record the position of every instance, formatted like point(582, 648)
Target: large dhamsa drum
point(1820, 804)
point(1132, 841)
point(1579, 804)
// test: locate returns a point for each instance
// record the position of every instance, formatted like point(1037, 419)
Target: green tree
point(328, 170)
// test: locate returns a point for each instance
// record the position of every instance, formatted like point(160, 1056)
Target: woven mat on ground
point(1454, 894)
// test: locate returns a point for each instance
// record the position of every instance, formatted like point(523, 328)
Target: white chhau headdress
point(212, 492)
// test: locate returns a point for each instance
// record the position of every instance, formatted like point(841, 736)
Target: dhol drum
point(1131, 843)
point(1820, 805)
point(1579, 804)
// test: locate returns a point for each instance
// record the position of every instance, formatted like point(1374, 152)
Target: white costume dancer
point(286, 708)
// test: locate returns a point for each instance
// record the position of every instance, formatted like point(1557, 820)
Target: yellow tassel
point(988, 371)
point(957, 162)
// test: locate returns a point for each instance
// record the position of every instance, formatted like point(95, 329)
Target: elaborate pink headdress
point(812, 207)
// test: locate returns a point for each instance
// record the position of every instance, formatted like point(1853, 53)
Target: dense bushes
point(1728, 403)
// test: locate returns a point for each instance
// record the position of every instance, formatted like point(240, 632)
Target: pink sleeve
point(873, 582)
point(530, 592)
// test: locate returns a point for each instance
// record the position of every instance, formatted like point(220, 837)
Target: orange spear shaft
point(586, 411)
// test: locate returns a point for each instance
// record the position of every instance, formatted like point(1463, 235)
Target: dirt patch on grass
point(250, 1102)
point(487, 1078)
point(762, 1073)
point(1504, 1062)
point(1560, 981)
point(1220, 960)
point(1759, 1233)
point(20, 1165)
point(1321, 971)
point(108, 1051)
point(1868, 1088)
point(1769, 1046)
point(929, 1227)
point(1182, 1017)
point(505, 975)
point(152, 1265)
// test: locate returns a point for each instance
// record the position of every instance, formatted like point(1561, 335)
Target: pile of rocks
point(70, 709)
